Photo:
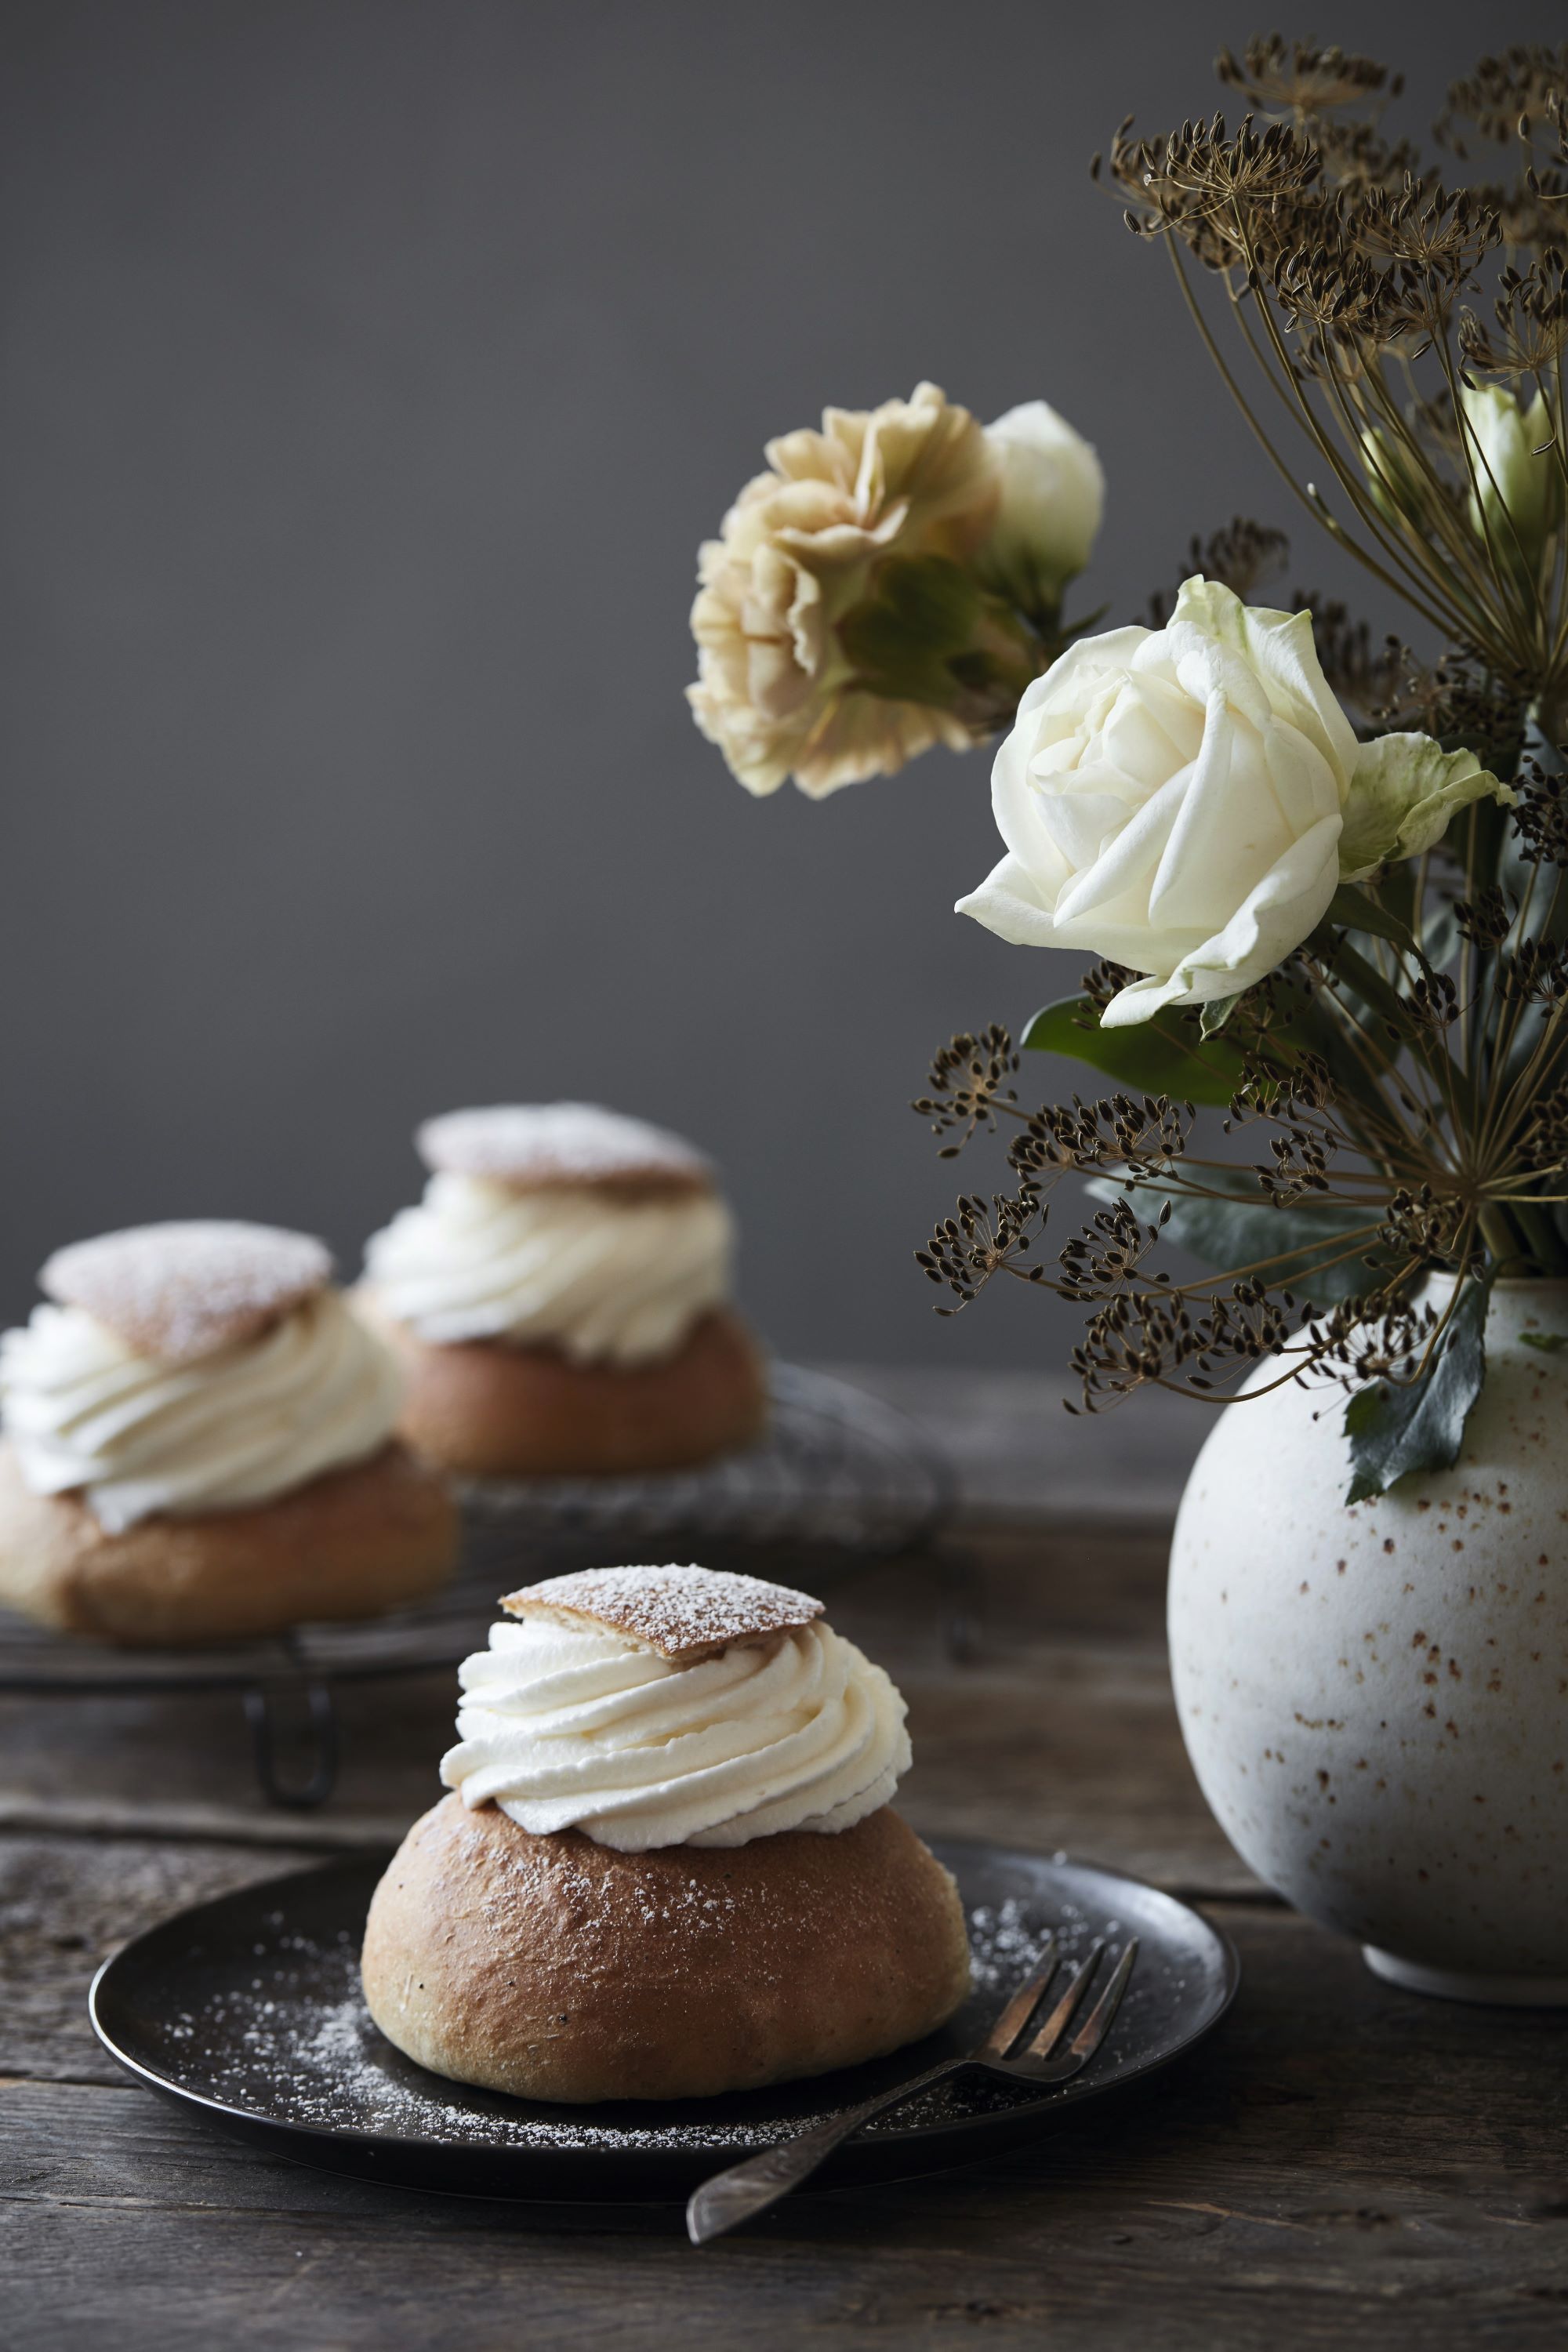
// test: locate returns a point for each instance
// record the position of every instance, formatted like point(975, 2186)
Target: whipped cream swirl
point(605, 1280)
point(136, 1435)
point(574, 1728)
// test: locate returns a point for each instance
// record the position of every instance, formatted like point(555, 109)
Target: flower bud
point(1518, 498)
point(1053, 493)
point(1392, 484)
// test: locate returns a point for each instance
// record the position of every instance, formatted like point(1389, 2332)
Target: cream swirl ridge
point(574, 1728)
point(135, 1435)
point(604, 1279)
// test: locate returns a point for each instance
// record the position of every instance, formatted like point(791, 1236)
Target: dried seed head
point(1522, 82)
point(1541, 818)
point(967, 1079)
point(1300, 78)
point(1242, 555)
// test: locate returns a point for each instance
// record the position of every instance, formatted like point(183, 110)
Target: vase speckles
point(1376, 1698)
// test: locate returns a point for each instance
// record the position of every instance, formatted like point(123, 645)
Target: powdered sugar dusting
point(328, 2065)
point(539, 1146)
point(680, 1612)
point(289, 2037)
point(180, 1291)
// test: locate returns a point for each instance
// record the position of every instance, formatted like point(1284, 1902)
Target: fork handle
point(749, 2189)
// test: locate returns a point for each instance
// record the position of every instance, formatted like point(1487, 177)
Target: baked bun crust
point(352, 1543)
point(556, 1968)
point(490, 1409)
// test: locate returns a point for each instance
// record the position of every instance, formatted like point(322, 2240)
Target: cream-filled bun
point(200, 1444)
point(560, 1298)
point(669, 1866)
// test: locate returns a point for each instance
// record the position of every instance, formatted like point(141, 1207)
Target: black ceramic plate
point(248, 2010)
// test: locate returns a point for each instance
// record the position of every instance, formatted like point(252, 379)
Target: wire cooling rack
point(841, 1479)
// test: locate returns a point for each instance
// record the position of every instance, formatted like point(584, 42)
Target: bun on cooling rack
point(483, 1409)
point(560, 1299)
point(353, 1543)
point(200, 1444)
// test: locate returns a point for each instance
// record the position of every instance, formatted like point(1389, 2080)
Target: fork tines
point(1022, 2005)
point(1006, 2036)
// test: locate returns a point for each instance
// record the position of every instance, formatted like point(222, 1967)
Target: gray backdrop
point(373, 368)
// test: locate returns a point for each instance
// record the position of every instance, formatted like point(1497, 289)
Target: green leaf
point(1440, 933)
point(1513, 869)
point(1549, 1342)
point(1358, 978)
point(1312, 1025)
point(1213, 1016)
point(1393, 1430)
point(1248, 1229)
point(1166, 1056)
point(1350, 910)
point(1404, 790)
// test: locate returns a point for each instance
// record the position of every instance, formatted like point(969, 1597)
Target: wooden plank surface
point(1342, 2165)
point(1056, 1722)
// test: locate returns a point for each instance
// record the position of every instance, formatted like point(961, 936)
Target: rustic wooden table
point(1341, 2165)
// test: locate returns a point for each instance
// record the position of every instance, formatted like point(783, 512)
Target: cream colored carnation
point(775, 691)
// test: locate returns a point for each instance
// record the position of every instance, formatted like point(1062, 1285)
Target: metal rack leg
point(962, 1600)
point(321, 1743)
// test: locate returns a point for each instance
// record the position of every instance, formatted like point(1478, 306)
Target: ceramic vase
point(1374, 1696)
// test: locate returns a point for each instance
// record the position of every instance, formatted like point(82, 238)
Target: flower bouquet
point(1321, 879)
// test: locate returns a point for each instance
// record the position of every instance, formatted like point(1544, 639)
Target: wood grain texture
point(1058, 1722)
point(1342, 2165)
point(67, 1903)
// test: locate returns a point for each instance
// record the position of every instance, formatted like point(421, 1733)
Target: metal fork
point(749, 2189)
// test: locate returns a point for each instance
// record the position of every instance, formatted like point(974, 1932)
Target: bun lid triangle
point(683, 1613)
point(555, 1147)
point(177, 1292)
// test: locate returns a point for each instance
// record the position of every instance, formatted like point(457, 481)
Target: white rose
point(1176, 800)
point(1053, 495)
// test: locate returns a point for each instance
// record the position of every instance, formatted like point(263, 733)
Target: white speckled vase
point(1376, 1698)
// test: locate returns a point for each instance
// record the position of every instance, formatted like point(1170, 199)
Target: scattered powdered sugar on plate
point(299, 2057)
point(1005, 1944)
point(295, 2044)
